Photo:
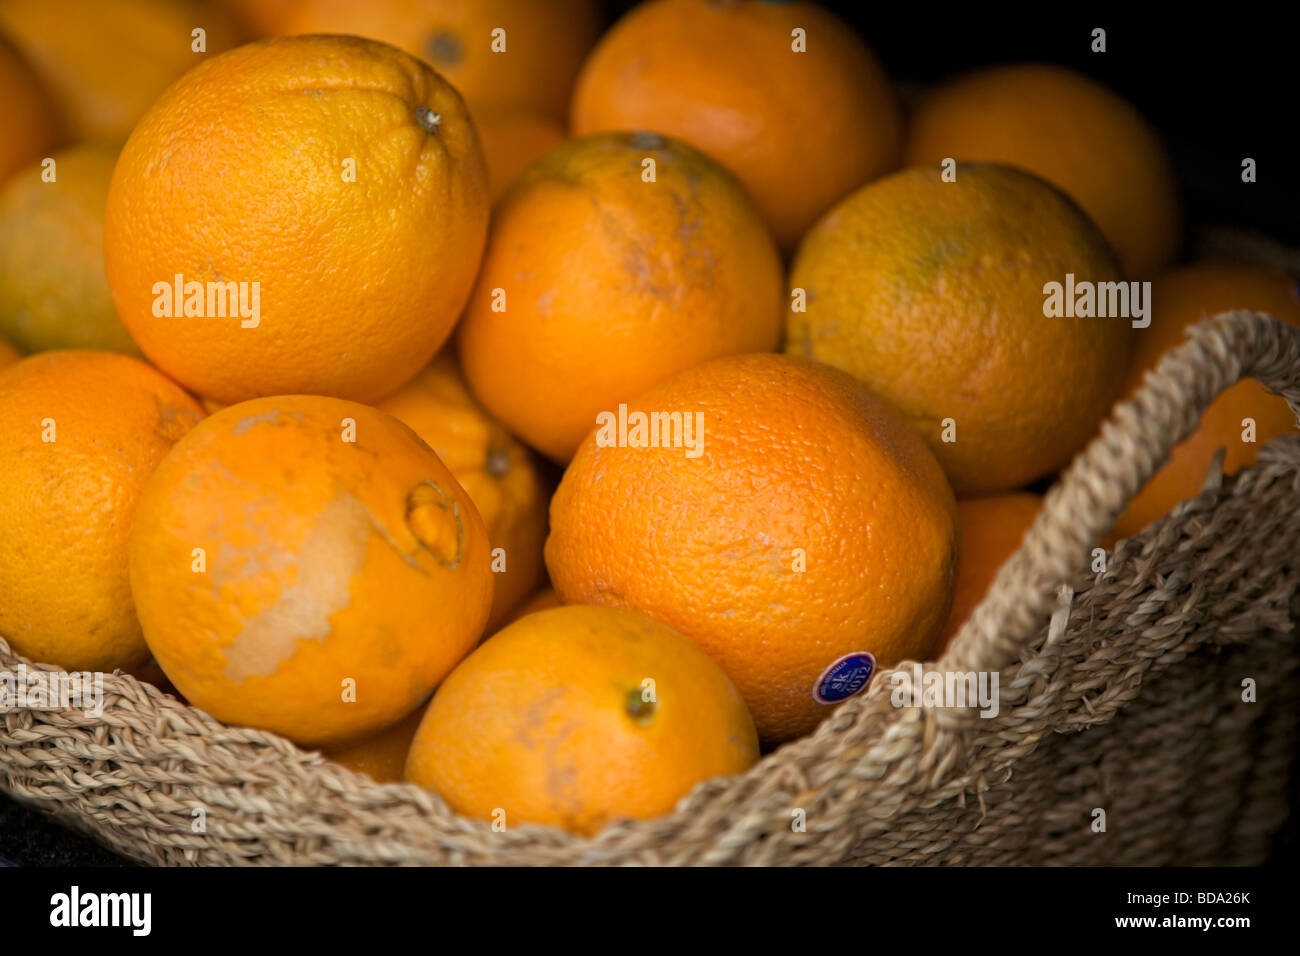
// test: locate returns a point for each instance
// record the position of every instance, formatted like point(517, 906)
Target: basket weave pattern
point(1129, 699)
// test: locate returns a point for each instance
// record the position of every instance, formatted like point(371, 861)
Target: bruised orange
point(80, 432)
point(988, 532)
point(579, 716)
point(803, 535)
point(785, 95)
point(496, 471)
point(614, 261)
point(1244, 416)
point(1078, 135)
point(307, 565)
point(321, 203)
point(933, 293)
point(500, 54)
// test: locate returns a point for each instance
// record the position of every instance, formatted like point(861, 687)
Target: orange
point(579, 716)
point(531, 65)
point(79, 434)
point(512, 141)
point(1183, 297)
point(933, 294)
point(541, 600)
point(496, 471)
point(597, 283)
point(989, 530)
point(382, 757)
point(8, 354)
point(29, 118)
point(105, 61)
point(803, 536)
point(799, 129)
point(337, 180)
point(53, 290)
point(1071, 131)
point(307, 565)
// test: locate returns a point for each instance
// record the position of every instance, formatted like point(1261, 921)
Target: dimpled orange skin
point(30, 119)
point(382, 757)
point(68, 503)
point(932, 294)
point(53, 291)
point(544, 43)
point(105, 61)
point(548, 722)
point(1180, 298)
point(1070, 130)
point(800, 130)
point(512, 142)
point(796, 456)
point(612, 284)
point(237, 174)
point(326, 561)
point(499, 474)
point(989, 530)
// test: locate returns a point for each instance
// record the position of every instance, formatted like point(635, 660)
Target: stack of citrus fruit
point(529, 473)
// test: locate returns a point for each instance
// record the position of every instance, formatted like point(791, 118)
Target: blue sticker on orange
point(847, 676)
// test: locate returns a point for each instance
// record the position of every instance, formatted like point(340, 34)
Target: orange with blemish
point(499, 474)
point(292, 579)
point(614, 261)
point(578, 716)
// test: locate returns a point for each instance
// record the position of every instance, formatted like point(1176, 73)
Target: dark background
point(1219, 85)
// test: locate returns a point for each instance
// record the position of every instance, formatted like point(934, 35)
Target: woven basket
point(1130, 699)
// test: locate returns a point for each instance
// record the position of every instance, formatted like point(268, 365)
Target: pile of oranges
point(552, 418)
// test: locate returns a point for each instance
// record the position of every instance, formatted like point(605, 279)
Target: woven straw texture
point(1120, 690)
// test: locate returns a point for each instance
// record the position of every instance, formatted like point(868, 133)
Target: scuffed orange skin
point(68, 504)
point(327, 561)
point(989, 530)
point(796, 455)
point(1070, 130)
point(545, 42)
point(31, 127)
point(105, 61)
point(497, 472)
point(237, 174)
point(612, 284)
point(546, 722)
point(800, 130)
point(512, 142)
point(382, 757)
point(1181, 298)
point(932, 294)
